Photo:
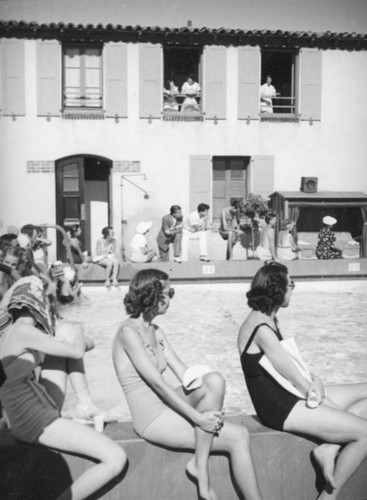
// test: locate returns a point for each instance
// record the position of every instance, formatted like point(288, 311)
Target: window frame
point(295, 86)
point(84, 109)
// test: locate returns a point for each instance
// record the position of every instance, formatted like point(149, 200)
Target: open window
point(278, 94)
point(82, 78)
point(182, 82)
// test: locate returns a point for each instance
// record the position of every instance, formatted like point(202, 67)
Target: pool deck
point(234, 270)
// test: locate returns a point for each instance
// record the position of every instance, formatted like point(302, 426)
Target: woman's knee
point(237, 436)
point(214, 382)
point(116, 459)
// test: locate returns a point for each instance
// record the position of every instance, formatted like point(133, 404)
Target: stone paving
point(327, 318)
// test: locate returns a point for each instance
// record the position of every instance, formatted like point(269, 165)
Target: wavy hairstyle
point(268, 288)
point(145, 293)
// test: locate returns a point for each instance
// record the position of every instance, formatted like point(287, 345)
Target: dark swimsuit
point(271, 402)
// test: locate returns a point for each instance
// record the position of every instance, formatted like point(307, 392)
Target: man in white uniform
point(195, 228)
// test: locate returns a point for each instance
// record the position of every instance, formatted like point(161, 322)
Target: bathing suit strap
point(252, 336)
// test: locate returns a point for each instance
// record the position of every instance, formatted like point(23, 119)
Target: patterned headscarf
point(26, 292)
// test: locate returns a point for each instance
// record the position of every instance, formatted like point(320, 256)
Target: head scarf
point(26, 292)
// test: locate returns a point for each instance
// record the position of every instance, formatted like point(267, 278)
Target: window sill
point(181, 116)
point(83, 114)
point(279, 118)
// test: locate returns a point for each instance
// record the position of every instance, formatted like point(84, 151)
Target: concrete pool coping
point(283, 464)
point(244, 270)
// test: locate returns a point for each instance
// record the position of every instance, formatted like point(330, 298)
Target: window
point(229, 181)
point(82, 77)
point(280, 66)
point(182, 96)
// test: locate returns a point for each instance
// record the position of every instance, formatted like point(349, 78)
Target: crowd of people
point(187, 416)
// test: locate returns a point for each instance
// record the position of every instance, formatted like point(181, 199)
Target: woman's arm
point(281, 360)
point(129, 341)
point(72, 346)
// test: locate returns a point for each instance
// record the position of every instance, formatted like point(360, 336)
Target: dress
point(272, 403)
point(266, 94)
point(29, 407)
point(325, 249)
point(144, 404)
point(190, 90)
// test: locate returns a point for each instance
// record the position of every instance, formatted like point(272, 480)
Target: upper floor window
point(277, 90)
point(182, 87)
point(82, 77)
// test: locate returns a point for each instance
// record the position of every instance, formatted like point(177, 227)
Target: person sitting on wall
point(139, 250)
point(266, 249)
point(195, 227)
point(326, 249)
point(68, 287)
point(105, 256)
point(74, 232)
point(267, 91)
point(189, 416)
point(230, 226)
point(171, 233)
point(286, 246)
point(191, 90)
point(169, 92)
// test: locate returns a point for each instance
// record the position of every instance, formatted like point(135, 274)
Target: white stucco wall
point(334, 150)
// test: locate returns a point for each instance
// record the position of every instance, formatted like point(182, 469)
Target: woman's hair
point(286, 223)
point(106, 231)
point(174, 209)
point(268, 288)
point(145, 293)
point(269, 216)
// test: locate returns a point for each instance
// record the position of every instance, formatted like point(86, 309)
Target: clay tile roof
point(157, 34)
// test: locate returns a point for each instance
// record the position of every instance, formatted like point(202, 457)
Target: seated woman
point(74, 232)
point(105, 256)
point(33, 406)
point(335, 414)
point(169, 92)
point(326, 249)
point(191, 90)
point(175, 418)
point(286, 246)
point(139, 250)
point(67, 286)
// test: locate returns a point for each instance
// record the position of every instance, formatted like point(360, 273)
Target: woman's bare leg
point(209, 397)
point(351, 398)
point(115, 270)
point(68, 436)
point(336, 427)
point(173, 431)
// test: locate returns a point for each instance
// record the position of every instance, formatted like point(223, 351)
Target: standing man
point(266, 249)
point(230, 226)
point(195, 228)
point(171, 232)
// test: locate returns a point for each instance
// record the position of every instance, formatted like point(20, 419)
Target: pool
point(328, 319)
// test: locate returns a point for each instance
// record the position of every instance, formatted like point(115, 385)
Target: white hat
point(143, 227)
point(193, 376)
point(329, 221)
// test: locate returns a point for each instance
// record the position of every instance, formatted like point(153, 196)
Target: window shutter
point(311, 63)
point(200, 180)
point(248, 83)
point(150, 81)
point(215, 60)
point(48, 78)
point(115, 60)
point(12, 77)
point(262, 175)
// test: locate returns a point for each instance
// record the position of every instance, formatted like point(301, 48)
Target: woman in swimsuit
point(338, 415)
point(176, 418)
point(33, 406)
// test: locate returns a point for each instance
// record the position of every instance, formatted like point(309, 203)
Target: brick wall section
point(126, 166)
point(40, 167)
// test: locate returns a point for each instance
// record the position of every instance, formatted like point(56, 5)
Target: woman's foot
point(202, 480)
point(325, 456)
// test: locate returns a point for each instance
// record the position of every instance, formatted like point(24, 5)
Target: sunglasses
point(292, 285)
point(170, 293)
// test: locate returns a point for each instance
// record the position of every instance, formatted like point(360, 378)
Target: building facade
point(86, 135)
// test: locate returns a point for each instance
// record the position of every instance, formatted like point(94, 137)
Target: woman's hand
point(210, 421)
